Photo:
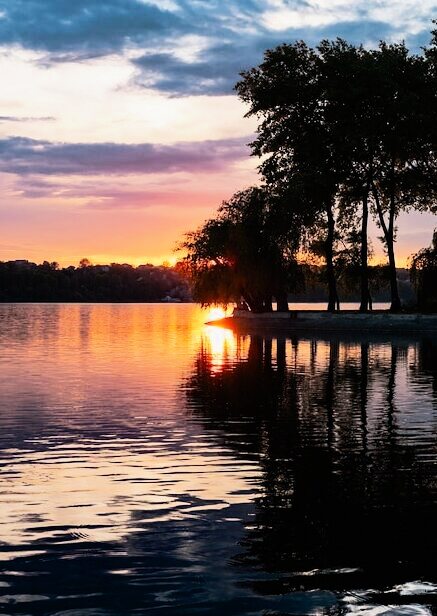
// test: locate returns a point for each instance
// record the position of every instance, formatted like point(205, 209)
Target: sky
point(119, 127)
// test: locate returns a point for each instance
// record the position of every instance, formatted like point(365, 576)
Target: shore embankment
point(308, 321)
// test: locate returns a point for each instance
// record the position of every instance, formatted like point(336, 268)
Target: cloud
point(119, 194)
point(161, 195)
point(82, 28)
point(215, 73)
point(27, 119)
point(148, 198)
point(217, 67)
point(234, 34)
point(23, 156)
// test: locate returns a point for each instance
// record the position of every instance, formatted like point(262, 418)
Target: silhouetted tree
point(286, 93)
point(385, 116)
point(404, 117)
point(346, 126)
point(424, 276)
point(345, 75)
point(243, 252)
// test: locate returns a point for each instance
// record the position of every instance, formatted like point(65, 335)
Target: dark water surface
point(151, 465)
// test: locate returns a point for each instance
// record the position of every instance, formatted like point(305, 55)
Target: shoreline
point(322, 322)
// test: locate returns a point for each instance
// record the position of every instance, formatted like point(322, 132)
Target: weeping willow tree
point(243, 253)
point(424, 276)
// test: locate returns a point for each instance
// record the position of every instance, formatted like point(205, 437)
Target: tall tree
point(348, 126)
point(402, 98)
point(381, 105)
point(345, 76)
point(285, 93)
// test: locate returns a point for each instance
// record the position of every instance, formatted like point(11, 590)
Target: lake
point(154, 465)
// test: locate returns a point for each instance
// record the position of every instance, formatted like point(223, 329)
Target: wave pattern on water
point(149, 464)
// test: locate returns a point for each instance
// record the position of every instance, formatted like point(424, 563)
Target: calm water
point(151, 465)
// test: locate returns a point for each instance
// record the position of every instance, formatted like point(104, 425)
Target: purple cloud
point(23, 156)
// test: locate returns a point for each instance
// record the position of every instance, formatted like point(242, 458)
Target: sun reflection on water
point(220, 345)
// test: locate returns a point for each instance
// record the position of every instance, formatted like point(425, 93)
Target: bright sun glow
point(216, 313)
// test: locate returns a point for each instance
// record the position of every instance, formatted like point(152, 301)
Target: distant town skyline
point(119, 127)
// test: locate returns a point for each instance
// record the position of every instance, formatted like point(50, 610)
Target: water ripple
point(151, 465)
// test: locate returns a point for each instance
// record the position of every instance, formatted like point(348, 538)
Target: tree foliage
point(244, 252)
point(424, 276)
point(352, 131)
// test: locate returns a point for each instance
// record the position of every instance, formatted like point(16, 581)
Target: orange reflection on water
point(220, 345)
point(95, 353)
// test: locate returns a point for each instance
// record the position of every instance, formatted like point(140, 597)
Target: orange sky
point(119, 129)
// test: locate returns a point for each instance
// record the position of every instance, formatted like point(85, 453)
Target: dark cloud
point(211, 75)
point(24, 156)
point(72, 30)
point(215, 72)
point(218, 67)
point(82, 28)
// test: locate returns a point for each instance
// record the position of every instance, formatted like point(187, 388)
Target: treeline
point(346, 135)
point(22, 281)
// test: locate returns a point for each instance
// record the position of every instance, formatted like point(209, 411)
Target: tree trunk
point(389, 242)
point(333, 301)
point(395, 299)
point(394, 291)
point(282, 301)
point(365, 294)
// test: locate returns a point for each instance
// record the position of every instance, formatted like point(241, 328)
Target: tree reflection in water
point(347, 448)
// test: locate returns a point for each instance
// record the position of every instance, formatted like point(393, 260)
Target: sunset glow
point(119, 127)
point(216, 313)
point(218, 307)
